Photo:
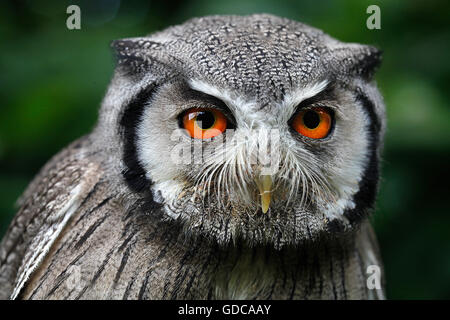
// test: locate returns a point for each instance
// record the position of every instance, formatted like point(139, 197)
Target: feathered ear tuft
point(357, 60)
point(367, 62)
point(133, 55)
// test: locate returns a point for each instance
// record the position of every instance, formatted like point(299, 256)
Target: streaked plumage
point(113, 217)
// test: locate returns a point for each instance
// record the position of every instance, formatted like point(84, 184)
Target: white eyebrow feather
point(306, 92)
point(246, 110)
point(294, 98)
point(232, 100)
point(242, 108)
point(291, 99)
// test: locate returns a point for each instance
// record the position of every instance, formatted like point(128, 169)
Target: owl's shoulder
point(44, 208)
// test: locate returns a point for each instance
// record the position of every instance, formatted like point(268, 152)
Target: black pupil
point(311, 119)
point(205, 119)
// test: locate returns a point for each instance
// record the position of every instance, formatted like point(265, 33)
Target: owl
point(235, 157)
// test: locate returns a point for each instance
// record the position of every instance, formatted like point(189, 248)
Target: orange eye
point(204, 123)
point(314, 123)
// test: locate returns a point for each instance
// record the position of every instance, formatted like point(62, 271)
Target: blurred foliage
point(53, 80)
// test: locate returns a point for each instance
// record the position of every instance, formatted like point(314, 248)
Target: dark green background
point(52, 81)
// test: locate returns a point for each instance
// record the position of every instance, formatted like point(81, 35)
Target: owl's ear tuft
point(133, 55)
point(367, 62)
point(358, 60)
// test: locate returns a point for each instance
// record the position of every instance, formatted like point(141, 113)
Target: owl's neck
point(329, 270)
point(334, 269)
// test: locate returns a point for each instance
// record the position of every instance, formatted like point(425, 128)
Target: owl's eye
point(204, 123)
point(314, 123)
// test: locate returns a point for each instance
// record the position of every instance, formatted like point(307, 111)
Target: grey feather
point(114, 217)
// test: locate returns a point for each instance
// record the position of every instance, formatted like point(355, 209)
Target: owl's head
point(256, 128)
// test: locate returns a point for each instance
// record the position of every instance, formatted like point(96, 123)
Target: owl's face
point(253, 127)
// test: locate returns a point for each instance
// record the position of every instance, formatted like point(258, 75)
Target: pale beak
point(264, 183)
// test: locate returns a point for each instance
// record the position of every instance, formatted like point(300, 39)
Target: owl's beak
point(264, 183)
